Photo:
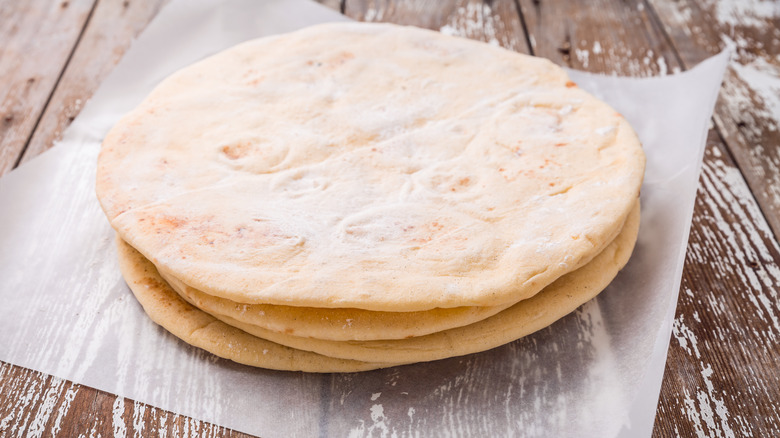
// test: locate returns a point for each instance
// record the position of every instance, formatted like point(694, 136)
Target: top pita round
point(369, 166)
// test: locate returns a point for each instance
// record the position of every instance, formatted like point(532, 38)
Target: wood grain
point(748, 110)
point(724, 358)
point(27, 82)
point(57, 407)
point(495, 22)
point(34, 404)
point(599, 36)
point(108, 34)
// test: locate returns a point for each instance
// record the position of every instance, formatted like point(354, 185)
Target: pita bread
point(333, 324)
point(349, 324)
point(554, 302)
point(195, 327)
point(223, 338)
point(370, 166)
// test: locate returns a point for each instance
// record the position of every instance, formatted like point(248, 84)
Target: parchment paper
point(67, 312)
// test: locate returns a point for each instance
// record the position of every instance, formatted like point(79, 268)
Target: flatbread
point(557, 300)
point(333, 324)
point(195, 327)
point(371, 166)
point(349, 324)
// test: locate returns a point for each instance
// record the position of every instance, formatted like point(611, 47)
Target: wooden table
point(722, 375)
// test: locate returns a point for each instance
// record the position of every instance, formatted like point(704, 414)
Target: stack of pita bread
point(356, 196)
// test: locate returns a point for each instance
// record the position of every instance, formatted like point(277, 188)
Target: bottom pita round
point(525, 317)
point(195, 327)
point(198, 328)
point(334, 324)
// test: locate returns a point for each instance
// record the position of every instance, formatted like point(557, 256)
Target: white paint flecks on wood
point(477, 20)
point(755, 263)
point(748, 13)
point(599, 36)
point(32, 61)
point(118, 420)
point(100, 47)
point(732, 246)
point(494, 22)
point(748, 111)
point(700, 412)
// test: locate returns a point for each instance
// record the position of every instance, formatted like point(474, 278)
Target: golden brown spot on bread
point(169, 221)
point(361, 138)
point(256, 81)
point(430, 230)
point(154, 283)
point(237, 150)
point(570, 84)
point(339, 59)
point(548, 161)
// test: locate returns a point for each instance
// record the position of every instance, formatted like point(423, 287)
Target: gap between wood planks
point(54, 87)
point(715, 126)
point(520, 15)
point(662, 29)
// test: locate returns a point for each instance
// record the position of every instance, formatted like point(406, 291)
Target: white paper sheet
point(67, 312)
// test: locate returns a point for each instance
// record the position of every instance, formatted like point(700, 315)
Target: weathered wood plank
point(495, 22)
point(61, 407)
point(32, 62)
point(35, 404)
point(109, 33)
point(729, 287)
point(748, 110)
point(724, 359)
point(600, 36)
point(31, 402)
